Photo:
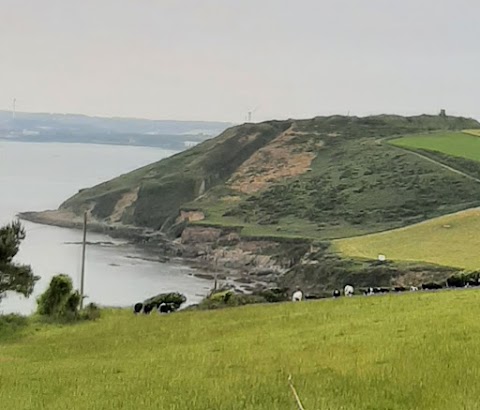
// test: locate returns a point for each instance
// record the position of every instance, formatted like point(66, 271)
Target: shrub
point(228, 298)
point(176, 299)
point(61, 302)
point(274, 295)
point(53, 302)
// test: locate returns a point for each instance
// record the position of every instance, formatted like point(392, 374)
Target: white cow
point(413, 288)
point(297, 296)
point(348, 290)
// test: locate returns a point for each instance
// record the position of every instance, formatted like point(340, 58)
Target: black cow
point(147, 309)
point(336, 293)
point(381, 290)
point(431, 286)
point(137, 308)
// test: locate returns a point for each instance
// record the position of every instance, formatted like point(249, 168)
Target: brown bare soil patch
point(271, 163)
point(123, 203)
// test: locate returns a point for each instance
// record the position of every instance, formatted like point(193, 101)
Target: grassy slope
point(451, 240)
point(360, 353)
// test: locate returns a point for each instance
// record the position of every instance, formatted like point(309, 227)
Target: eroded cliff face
point(248, 264)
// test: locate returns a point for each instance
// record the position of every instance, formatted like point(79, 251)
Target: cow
point(137, 308)
point(165, 308)
point(336, 293)
point(348, 290)
point(413, 289)
point(368, 292)
point(147, 309)
point(297, 296)
point(431, 286)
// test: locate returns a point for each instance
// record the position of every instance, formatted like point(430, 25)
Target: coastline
point(234, 270)
point(70, 220)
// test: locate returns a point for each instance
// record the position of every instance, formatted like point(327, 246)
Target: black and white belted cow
point(348, 290)
point(165, 308)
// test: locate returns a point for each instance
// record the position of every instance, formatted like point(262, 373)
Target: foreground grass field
point(415, 351)
point(451, 240)
point(459, 144)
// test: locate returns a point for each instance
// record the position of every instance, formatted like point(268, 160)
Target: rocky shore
point(219, 254)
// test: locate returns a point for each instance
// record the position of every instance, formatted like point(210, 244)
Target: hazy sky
point(216, 59)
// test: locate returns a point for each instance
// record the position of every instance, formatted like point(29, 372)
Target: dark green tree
point(13, 276)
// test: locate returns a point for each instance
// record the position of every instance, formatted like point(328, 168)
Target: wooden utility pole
point(84, 248)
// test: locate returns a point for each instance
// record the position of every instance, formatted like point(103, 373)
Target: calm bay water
point(41, 176)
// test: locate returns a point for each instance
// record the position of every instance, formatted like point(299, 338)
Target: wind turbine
point(14, 105)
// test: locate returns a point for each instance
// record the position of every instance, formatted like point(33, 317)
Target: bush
point(228, 298)
point(61, 302)
point(59, 299)
point(274, 295)
point(176, 299)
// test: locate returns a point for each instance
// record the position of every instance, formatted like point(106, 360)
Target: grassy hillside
point(451, 240)
point(150, 196)
point(358, 187)
point(328, 177)
point(360, 353)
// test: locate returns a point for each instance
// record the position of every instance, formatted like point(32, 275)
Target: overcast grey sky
point(216, 59)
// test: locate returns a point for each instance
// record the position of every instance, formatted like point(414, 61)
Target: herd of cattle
point(349, 290)
point(164, 307)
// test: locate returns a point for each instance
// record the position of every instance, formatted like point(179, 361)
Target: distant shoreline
point(67, 219)
point(173, 148)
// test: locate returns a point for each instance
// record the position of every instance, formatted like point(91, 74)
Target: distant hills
point(174, 135)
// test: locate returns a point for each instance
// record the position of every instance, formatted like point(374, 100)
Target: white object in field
point(382, 258)
point(348, 290)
